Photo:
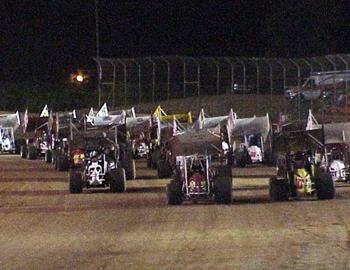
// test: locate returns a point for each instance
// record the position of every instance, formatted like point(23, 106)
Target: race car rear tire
point(23, 151)
point(117, 180)
point(230, 159)
point(149, 161)
point(224, 170)
point(18, 145)
point(241, 163)
point(278, 189)
point(62, 163)
point(32, 152)
point(324, 187)
point(223, 189)
point(129, 167)
point(75, 181)
point(173, 193)
point(53, 156)
point(48, 156)
point(155, 157)
point(269, 159)
point(56, 161)
point(164, 169)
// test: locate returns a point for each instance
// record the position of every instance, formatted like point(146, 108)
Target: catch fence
point(124, 81)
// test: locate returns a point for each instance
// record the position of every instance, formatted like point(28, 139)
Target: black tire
point(53, 156)
point(241, 163)
point(224, 170)
point(23, 151)
point(149, 161)
point(223, 189)
point(48, 156)
point(325, 187)
point(62, 163)
point(155, 157)
point(18, 145)
point(269, 159)
point(117, 180)
point(75, 181)
point(129, 167)
point(230, 159)
point(58, 157)
point(279, 189)
point(56, 161)
point(174, 193)
point(32, 152)
point(164, 169)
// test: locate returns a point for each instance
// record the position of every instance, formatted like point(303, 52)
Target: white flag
point(133, 112)
point(45, 112)
point(18, 118)
point(25, 120)
point(74, 114)
point(230, 124)
point(201, 118)
point(174, 127)
point(103, 112)
point(91, 116)
point(50, 122)
point(312, 122)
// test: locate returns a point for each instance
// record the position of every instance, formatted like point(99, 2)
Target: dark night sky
point(45, 40)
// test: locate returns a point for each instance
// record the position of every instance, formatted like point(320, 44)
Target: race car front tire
point(324, 187)
point(278, 189)
point(117, 180)
point(75, 181)
point(174, 193)
point(223, 189)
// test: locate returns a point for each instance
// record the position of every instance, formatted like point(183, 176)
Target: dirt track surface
point(42, 226)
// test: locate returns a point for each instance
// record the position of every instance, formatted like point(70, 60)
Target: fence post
point(153, 76)
point(284, 73)
point(311, 71)
point(113, 83)
point(228, 60)
point(244, 74)
point(184, 70)
point(168, 76)
point(346, 84)
point(299, 85)
point(257, 79)
point(271, 78)
point(139, 78)
point(308, 64)
point(319, 63)
point(217, 75)
point(335, 70)
point(125, 73)
point(198, 75)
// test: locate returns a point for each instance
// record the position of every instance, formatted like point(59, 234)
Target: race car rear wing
point(169, 124)
point(333, 132)
point(195, 142)
point(164, 117)
point(299, 140)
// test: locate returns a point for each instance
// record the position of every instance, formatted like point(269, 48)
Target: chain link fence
point(124, 81)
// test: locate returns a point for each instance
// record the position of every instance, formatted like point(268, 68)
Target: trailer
point(9, 135)
point(318, 84)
